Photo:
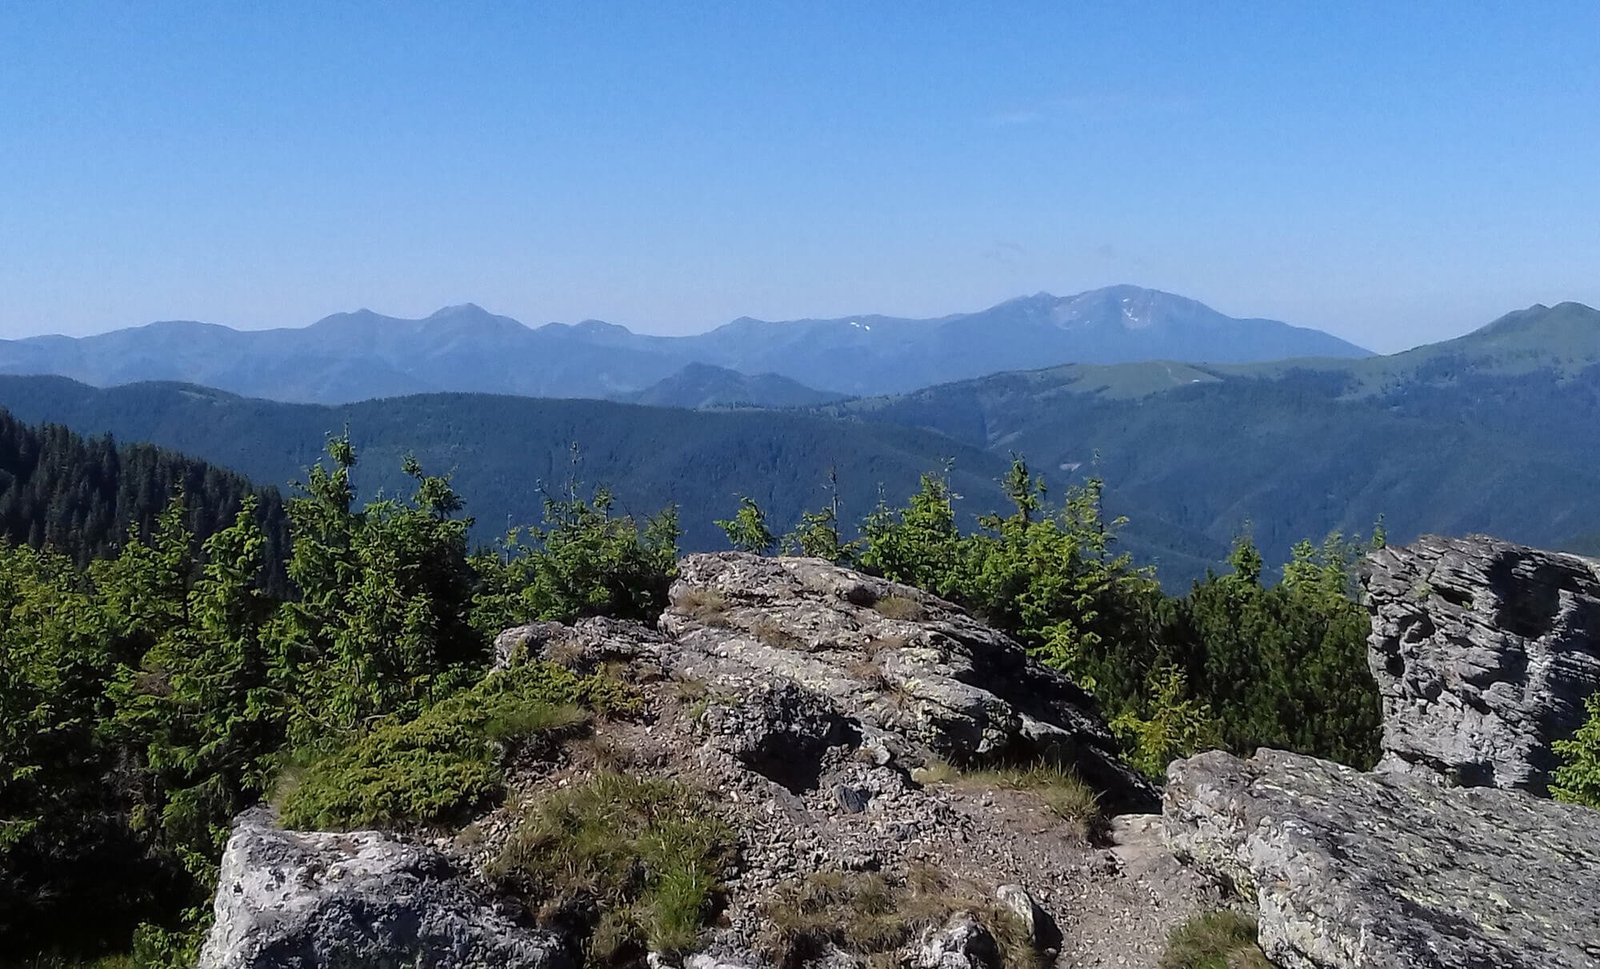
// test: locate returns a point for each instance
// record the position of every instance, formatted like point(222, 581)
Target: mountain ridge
point(359, 355)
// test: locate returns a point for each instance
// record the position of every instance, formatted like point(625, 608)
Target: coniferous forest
point(84, 498)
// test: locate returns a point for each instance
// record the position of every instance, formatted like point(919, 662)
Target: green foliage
point(1214, 940)
point(85, 497)
point(584, 561)
point(383, 613)
point(918, 545)
point(198, 703)
point(1171, 724)
point(148, 697)
point(1577, 779)
point(1234, 663)
point(504, 451)
point(747, 530)
point(445, 764)
point(1052, 581)
point(817, 533)
point(648, 851)
point(1282, 666)
point(1056, 582)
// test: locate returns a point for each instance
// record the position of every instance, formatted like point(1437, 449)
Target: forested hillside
point(84, 497)
point(1485, 433)
point(1492, 433)
point(506, 453)
point(702, 385)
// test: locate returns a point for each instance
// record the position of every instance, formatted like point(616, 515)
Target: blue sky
point(1393, 173)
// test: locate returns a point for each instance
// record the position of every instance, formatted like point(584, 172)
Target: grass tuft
point(1058, 786)
point(900, 607)
point(644, 854)
point(1215, 940)
point(872, 918)
point(705, 605)
point(772, 633)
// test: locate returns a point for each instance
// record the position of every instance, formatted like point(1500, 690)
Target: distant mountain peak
point(1547, 326)
point(459, 309)
point(601, 326)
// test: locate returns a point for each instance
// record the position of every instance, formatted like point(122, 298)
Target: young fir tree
point(747, 530)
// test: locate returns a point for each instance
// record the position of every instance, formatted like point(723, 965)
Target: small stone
point(852, 799)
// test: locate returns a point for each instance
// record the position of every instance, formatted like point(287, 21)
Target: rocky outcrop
point(1483, 652)
point(1351, 869)
point(840, 725)
point(918, 677)
point(293, 900)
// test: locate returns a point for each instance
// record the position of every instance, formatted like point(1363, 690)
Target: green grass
point(646, 854)
point(871, 917)
point(446, 764)
point(1215, 940)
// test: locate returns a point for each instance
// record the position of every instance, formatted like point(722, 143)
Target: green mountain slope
point(83, 497)
point(1495, 431)
point(506, 452)
point(703, 386)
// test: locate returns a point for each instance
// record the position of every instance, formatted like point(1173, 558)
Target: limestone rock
point(1483, 652)
point(1041, 928)
point(962, 944)
point(1350, 869)
point(293, 900)
point(584, 646)
point(922, 678)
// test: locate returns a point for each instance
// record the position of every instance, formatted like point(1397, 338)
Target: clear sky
point(1392, 172)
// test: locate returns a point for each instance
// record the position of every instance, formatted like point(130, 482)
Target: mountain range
point(1494, 431)
point(362, 355)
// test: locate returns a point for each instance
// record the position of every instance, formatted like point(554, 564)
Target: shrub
point(645, 853)
point(428, 771)
point(445, 764)
point(1214, 940)
point(1577, 780)
point(1174, 725)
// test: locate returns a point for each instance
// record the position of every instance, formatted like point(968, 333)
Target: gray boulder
point(583, 646)
point(917, 676)
point(1483, 652)
point(962, 943)
point(1352, 869)
point(296, 900)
